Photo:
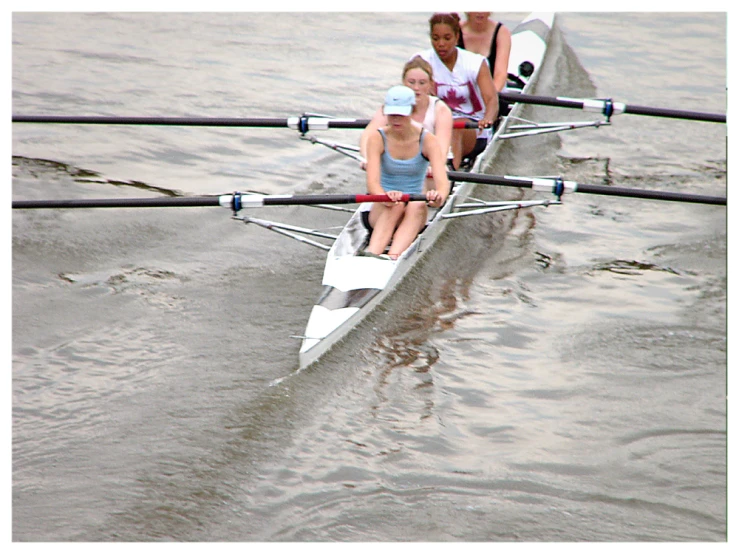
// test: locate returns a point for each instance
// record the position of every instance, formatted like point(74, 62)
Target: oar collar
point(236, 202)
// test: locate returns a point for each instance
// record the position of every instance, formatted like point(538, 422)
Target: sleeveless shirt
point(429, 119)
point(407, 176)
point(458, 88)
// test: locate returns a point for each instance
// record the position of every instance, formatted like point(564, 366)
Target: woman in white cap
point(428, 111)
point(398, 156)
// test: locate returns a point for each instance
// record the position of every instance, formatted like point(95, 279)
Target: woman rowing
point(489, 38)
point(398, 155)
point(428, 111)
point(464, 83)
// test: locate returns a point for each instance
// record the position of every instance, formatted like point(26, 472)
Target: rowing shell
point(354, 285)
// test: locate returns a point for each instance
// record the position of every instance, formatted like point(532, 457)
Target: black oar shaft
point(196, 121)
point(590, 189)
point(203, 121)
point(652, 194)
point(675, 114)
point(541, 100)
point(189, 121)
point(313, 199)
point(227, 201)
point(158, 202)
point(606, 107)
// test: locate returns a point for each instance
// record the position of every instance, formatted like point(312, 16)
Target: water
point(557, 375)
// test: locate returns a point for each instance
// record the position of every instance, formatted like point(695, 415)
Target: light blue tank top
point(406, 176)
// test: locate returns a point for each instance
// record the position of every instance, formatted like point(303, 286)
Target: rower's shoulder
point(504, 32)
point(376, 138)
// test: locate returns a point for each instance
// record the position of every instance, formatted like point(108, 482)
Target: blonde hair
point(417, 62)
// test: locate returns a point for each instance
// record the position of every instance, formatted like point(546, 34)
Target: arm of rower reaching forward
point(443, 128)
point(431, 150)
point(489, 95)
point(502, 55)
point(373, 151)
point(377, 121)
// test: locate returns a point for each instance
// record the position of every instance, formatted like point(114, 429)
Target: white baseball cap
point(399, 100)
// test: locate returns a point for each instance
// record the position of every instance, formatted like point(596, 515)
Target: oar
point(234, 201)
point(302, 124)
point(609, 108)
point(558, 187)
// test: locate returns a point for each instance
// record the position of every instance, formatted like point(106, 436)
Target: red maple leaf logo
point(453, 100)
point(474, 100)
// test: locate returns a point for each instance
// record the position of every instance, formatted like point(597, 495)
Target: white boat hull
point(354, 285)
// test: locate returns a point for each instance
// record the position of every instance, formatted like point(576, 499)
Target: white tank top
point(458, 88)
point(429, 119)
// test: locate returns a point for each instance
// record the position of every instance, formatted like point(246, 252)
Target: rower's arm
point(443, 127)
point(374, 151)
point(489, 94)
point(502, 55)
point(438, 166)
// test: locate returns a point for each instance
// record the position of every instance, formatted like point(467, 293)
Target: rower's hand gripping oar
point(235, 201)
point(609, 108)
point(558, 187)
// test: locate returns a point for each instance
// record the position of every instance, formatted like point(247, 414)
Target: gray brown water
point(557, 375)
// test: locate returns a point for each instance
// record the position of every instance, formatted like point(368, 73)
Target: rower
point(464, 82)
point(428, 111)
point(398, 155)
point(489, 38)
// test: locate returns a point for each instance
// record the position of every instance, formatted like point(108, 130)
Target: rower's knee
point(417, 212)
